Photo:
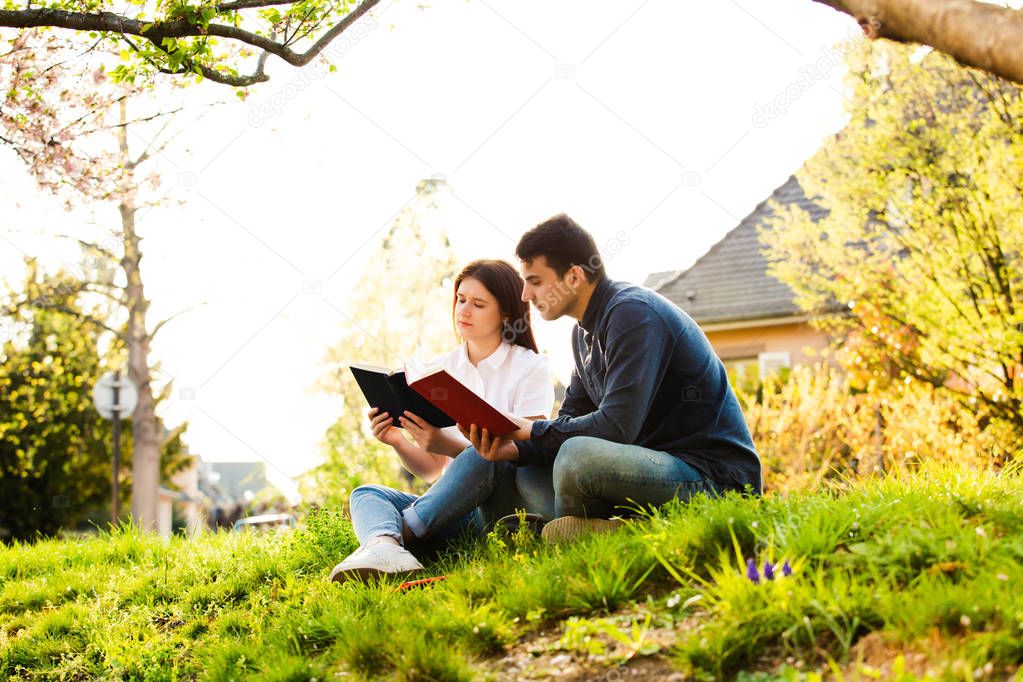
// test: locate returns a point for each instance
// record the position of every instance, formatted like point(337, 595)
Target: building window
point(746, 373)
point(743, 373)
point(771, 363)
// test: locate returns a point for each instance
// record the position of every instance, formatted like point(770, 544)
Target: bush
point(813, 425)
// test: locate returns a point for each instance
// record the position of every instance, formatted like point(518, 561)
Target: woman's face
point(477, 315)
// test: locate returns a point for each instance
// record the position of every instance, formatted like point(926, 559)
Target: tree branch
point(86, 245)
point(90, 287)
point(155, 32)
point(249, 4)
point(161, 323)
point(976, 34)
point(86, 317)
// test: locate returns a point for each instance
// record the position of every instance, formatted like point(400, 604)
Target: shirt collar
point(596, 305)
point(492, 361)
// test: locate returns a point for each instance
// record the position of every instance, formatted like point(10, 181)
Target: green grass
point(927, 565)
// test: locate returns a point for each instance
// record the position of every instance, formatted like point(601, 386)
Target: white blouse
point(513, 379)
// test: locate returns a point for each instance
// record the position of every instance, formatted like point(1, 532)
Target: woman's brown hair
point(505, 284)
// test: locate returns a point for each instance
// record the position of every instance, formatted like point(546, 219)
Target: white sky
point(633, 117)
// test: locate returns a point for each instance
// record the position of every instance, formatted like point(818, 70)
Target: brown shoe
point(569, 528)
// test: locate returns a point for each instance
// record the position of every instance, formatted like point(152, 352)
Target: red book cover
point(457, 401)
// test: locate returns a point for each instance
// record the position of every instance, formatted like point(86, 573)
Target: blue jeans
point(470, 495)
point(593, 477)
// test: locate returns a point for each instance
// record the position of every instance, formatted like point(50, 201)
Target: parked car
point(264, 522)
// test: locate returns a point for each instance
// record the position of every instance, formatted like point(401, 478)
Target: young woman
point(498, 360)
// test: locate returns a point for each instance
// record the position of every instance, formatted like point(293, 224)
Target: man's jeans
point(591, 477)
point(597, 478)
point(470, 495)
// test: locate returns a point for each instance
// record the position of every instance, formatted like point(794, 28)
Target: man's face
point(553, 296)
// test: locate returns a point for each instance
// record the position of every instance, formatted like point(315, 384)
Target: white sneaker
point(379, 559)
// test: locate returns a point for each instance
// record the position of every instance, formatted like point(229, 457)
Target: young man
point(648, 415)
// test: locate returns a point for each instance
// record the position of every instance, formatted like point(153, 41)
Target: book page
point(416, 368)
point(374, 368)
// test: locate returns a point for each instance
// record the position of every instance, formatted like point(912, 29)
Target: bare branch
point(149, 150)
point(92, 246)
point(88, 114)
point(140, 120)
point(161, 323)
point(104, 290)
point(87, 51)
point(86, 317)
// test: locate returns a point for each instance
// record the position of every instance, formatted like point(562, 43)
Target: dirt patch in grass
point(545, 654)
point(876, 656)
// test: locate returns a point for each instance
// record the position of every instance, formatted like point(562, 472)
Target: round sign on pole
point(103, 396)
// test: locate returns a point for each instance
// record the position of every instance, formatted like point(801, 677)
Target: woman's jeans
point(591, 478)
point(467, 499)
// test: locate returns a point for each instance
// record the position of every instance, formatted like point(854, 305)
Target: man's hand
point(492, 449)
point(525, 430)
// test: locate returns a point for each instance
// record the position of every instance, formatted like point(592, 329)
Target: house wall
point(187, 481)
point(751, 342)
point(164, 515)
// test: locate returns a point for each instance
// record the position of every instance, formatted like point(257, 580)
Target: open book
point(388, 391)
point(432, 393)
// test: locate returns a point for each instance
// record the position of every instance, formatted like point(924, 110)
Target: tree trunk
point(976, 34)
point(146, 438)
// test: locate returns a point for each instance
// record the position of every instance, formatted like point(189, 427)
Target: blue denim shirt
point(645, 374)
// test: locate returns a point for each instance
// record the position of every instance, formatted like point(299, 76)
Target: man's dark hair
point(563, 244)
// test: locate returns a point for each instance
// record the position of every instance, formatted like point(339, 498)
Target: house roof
point(730, 282)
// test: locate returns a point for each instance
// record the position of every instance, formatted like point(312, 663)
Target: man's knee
point(575, 457)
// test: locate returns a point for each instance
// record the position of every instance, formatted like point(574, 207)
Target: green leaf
point(272, 15)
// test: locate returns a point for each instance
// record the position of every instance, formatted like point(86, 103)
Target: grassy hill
point(904, 578)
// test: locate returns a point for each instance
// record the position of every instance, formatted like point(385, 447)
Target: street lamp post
point(113, 396)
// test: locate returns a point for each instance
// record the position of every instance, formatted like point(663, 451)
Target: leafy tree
point(924, 239)
point(55, 449)
point(414, 258)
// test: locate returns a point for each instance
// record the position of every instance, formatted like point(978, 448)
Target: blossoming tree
point(69, 123)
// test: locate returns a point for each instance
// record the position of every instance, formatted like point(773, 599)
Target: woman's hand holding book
point(429, 437)
point(383, 428)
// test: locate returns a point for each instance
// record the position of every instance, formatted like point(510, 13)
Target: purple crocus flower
point(751, 571)
point(769, 570)
point(786, 570)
